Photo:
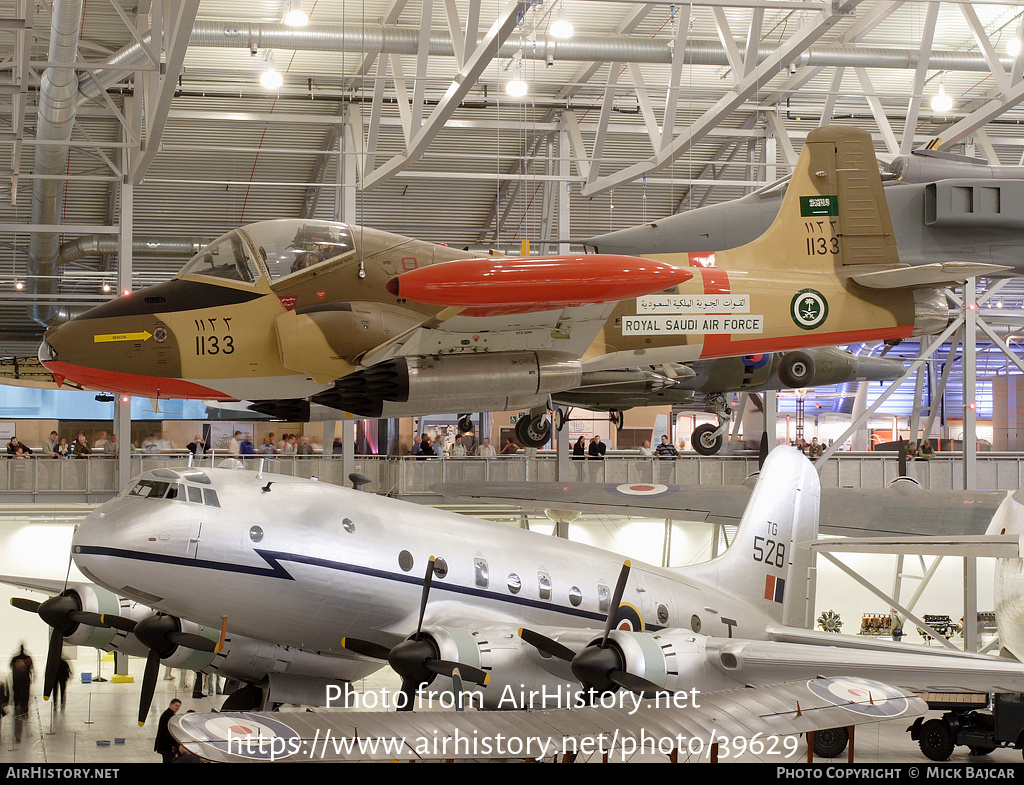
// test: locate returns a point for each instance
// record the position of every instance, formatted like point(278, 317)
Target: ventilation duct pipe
point(388, 39)
point(96, 244)
point(58, 95)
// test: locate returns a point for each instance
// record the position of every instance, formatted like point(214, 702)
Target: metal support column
point(970, 414)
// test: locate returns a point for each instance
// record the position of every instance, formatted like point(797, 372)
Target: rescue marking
point(145, 335)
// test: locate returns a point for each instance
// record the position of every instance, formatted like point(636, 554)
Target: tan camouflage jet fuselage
point(298, 309)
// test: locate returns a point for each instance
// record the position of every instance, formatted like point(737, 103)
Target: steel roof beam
point(743, 89)
point(460, 86)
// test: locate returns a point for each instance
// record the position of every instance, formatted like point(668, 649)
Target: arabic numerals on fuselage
point(213, 336)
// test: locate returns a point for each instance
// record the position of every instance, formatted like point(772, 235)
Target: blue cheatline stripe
point(275, 569)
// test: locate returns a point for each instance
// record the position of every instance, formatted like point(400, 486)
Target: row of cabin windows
point(481, 577)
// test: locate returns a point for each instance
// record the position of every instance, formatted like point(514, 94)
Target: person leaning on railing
point(666, 450)
point(81, 448)
point(14, 447)
point(63, 449)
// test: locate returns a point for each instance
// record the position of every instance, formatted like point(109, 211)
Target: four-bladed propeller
point(599, 668)
point(416, 660)
point(159, 633)
point(63, 613)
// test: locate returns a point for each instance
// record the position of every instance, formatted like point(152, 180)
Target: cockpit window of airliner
point(226, 257)
point(150, 489)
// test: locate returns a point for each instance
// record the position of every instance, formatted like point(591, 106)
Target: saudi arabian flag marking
point(819, 205)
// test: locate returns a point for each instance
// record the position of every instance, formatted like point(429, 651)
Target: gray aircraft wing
point(902, 508)
point(731, 717)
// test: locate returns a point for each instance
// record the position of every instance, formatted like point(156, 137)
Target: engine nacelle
point(96, 599)
point(520, 676)
point(675, 660)
point(423, 384)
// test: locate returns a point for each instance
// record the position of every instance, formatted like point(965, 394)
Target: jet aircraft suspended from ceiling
point(295, 314)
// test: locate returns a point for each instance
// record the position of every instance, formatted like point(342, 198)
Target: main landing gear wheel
point(936, 740)
point(796, 370)
point(533, 431)
point(705, 440)
point(618, 418)
point(465, 423)
point(831, 742)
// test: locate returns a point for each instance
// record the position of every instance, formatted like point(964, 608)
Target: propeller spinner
point(600, 667)
point(417, 660)
point(63, 613)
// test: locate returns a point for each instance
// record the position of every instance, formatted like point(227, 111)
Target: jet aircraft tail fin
point(764, 565)
point(834, 215)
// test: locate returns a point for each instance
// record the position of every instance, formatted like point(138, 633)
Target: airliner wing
point(762, 720)
point(844, 511)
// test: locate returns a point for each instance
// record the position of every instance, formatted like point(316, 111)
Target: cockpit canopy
point(274, 249)
point(185, 485)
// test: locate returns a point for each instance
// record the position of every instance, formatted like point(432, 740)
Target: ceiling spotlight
point(19, 285)
point(942, 102)
point(562, 27)
point(106, 286)
point(271, 78)
point(295, 16)
point(517, 87)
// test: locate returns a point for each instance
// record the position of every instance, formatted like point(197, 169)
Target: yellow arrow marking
point(145, 335)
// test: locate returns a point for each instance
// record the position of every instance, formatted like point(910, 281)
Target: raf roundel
point(641, 489)
point(861, 696)
point(245, 734)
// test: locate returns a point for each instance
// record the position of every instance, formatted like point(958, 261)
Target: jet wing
point(844, 511)
point(521, 303)
point(685, 722)
point(569, 331)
